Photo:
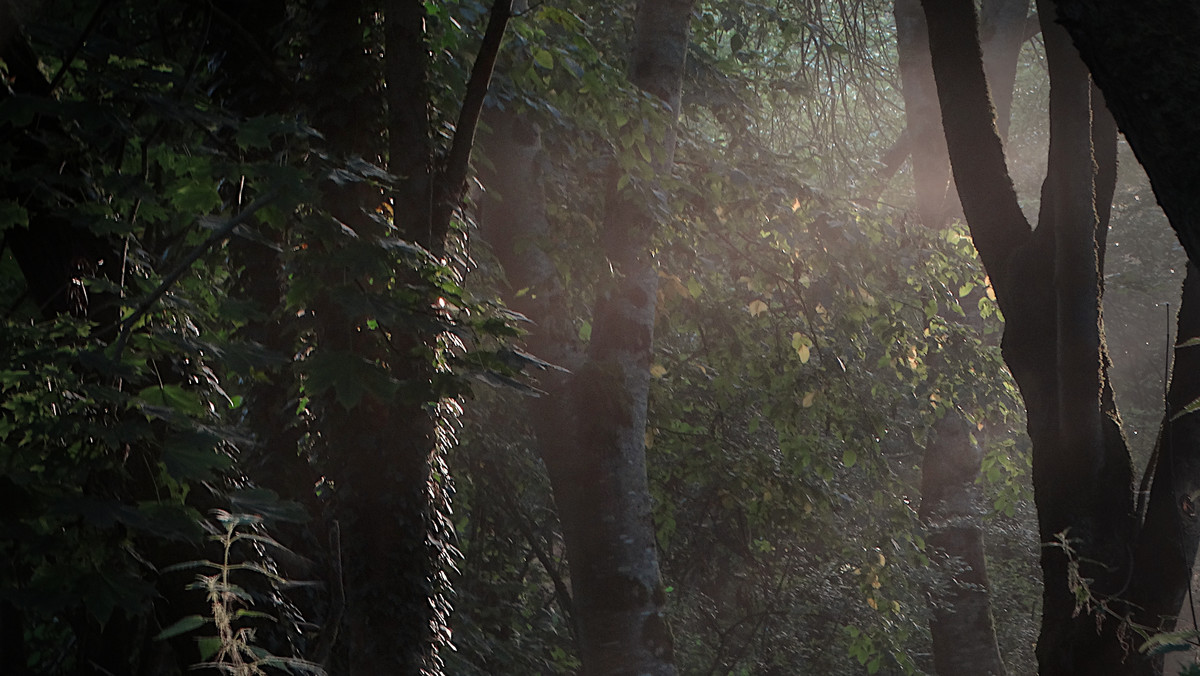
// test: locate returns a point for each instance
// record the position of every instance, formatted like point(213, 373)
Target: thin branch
point(218, 236)
point(454, 174)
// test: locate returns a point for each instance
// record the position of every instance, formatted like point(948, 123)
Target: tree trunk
point(962, 627)
point(930, 163)
point(1166, 549)
point(380, 451)
point(591, 426)
point(1003, 30)
point(385, 454)
point(604, 498)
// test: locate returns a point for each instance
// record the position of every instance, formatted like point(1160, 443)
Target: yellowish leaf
point(808, 399)
point(873, 603)
point(796, 205)
point(658, 370)
point(757, 307)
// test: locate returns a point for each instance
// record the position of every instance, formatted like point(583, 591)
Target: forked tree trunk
point(380, 450)
point(1048, 283)
point(386, 453)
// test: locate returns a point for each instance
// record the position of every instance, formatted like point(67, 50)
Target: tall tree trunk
point(600, 484)
point(930, 163)
point(386, 454)
point(381, 450)
point(591, 426)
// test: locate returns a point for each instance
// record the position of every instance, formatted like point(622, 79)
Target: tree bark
point(618, 594)
point(930, 163)
point(386, 456)
point(1166, 548)
point(1003, 32)
point(380, 451)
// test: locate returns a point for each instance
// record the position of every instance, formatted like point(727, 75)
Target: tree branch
point(453, 176)
point(976, 152)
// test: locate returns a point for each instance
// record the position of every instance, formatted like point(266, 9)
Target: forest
point(652, 337)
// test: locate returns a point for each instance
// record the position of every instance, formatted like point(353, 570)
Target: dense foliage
point(215, 301)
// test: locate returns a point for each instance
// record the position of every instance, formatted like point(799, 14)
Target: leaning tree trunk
point(1166, 548)
point(1143, 56)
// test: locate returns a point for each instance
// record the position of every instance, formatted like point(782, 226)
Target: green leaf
point(12, 215)
point(1189, 409)
point(194, 196)
point(175, 398)
point(349, 376)
point(849, 457)
point(182, 626)
point(1168, 642)
point(267, 504)
point(543, 58)
point(208, 646)
point(194, 455)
